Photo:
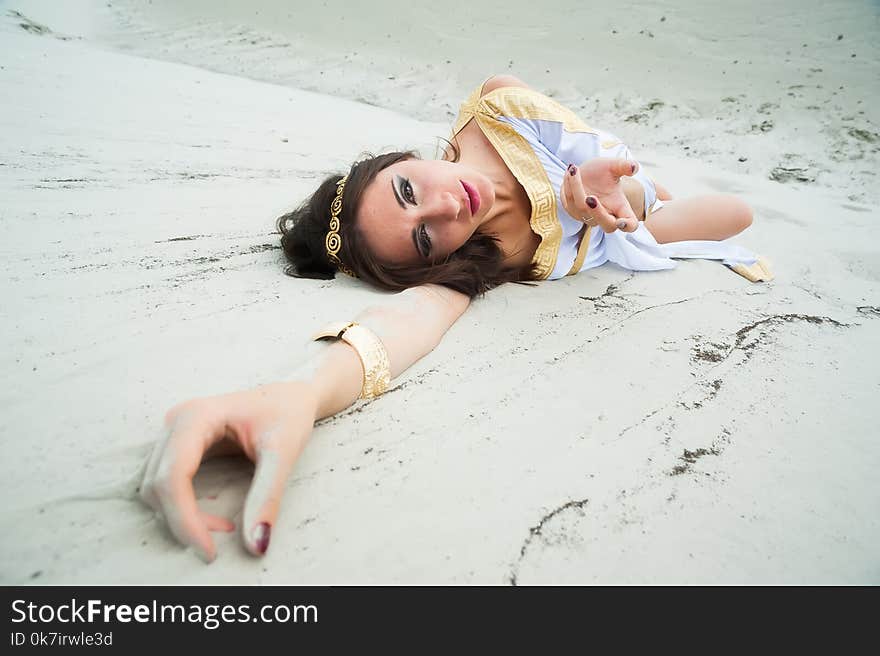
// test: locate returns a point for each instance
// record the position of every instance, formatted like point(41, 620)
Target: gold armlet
point(374, 357)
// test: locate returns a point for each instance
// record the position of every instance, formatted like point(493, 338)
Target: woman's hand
point(592, 193)
point(269, 424)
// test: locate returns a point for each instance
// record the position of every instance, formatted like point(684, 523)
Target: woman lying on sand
point(526, 192)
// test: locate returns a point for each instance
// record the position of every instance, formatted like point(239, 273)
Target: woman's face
point(423, 210)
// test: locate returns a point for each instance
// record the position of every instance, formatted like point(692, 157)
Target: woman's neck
point(508, 220)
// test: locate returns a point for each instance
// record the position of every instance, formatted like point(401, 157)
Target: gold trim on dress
point(583, 247)
point(519, 102)
point(757, 272)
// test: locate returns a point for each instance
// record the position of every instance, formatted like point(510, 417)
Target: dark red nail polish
point(262, 532)
point(633, 168)
point(591, 202)
point(571, 169)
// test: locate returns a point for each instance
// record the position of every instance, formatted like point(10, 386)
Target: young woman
point(526, 191)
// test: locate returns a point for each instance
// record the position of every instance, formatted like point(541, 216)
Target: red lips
point(473, 197)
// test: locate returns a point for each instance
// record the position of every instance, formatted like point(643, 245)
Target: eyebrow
point(397, 195)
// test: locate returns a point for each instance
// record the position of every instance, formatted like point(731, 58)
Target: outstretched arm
point(410, 325)
point(272, 423)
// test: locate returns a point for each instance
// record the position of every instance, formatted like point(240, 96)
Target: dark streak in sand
point(743, 333)
point(689, 457)
point(722, 351)
point(707, 355)
point(539, 527)
point(187, 238)
point(609, 291)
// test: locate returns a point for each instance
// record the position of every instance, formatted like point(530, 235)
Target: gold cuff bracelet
point(374, 357)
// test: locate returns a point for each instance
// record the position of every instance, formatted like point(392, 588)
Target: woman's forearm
point(409, 324)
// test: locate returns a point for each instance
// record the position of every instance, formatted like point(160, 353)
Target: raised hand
point(592, 193)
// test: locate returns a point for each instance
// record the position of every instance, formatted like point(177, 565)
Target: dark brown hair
point(473, 269)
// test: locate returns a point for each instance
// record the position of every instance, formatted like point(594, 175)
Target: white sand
point(786, 89)
point(682, 426)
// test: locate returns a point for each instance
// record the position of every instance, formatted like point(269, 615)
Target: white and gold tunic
point(537, 138)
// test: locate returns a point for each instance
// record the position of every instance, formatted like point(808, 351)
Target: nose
point(444, 207)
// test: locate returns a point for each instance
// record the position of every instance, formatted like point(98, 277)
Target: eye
point(424, 240)
point(407, 192)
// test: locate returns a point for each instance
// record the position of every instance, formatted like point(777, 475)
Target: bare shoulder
point(499, 81)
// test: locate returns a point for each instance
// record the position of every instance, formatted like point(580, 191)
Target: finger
point(147, 488)
point(566, 194)
point(622, 167)
point(216, 523)
point(147, 493)
point(624, 217)
point(577, 201)
point(627, 223)
point(607, 222)
point(273, 465)
point(178, 464)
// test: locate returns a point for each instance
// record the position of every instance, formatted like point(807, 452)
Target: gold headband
point(333, 241)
